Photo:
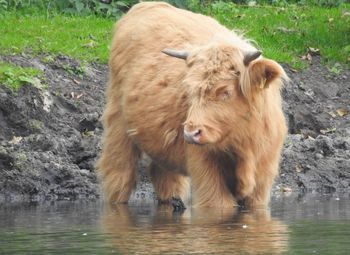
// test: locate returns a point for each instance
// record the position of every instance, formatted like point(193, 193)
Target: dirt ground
point(50, 139)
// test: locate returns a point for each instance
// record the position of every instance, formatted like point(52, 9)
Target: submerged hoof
point(178, 205)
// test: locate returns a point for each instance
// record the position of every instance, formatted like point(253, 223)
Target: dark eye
point(226, 94)
point(234, 72)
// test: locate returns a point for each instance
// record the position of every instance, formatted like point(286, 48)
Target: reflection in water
point(158, 230)
point(299, 225)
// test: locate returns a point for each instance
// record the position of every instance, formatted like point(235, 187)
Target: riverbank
point(50, 137)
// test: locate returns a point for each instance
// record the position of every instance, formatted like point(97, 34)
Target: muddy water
point(294, 225)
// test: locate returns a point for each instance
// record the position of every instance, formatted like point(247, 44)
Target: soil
point(50, 138)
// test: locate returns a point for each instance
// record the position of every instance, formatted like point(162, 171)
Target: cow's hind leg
point(117, 165)
point(169, 184)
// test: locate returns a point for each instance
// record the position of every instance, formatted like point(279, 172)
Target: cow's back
point(149, 27)
point(147, 83)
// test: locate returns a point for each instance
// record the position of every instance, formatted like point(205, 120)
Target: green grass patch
point(85, 38)
point(283, 33)
point(14, 77)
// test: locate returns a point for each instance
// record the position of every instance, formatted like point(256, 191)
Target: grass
point(284, 34)
point(15, 77)
point(85, 38)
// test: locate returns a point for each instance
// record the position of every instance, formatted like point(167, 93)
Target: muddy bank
point(50, 139)
point(316, 155)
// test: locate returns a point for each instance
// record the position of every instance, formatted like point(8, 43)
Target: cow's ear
point(263, 72)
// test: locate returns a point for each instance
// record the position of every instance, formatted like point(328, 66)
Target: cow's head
point(222, 83)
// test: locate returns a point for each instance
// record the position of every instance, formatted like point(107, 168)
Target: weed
point(336, 69)
point(49, 59)
point(35, 125)
point(75, 70)
point(14, 77)
point(87, 133)
point(21, 157)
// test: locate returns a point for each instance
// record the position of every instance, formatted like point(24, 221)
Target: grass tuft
point(14, 77)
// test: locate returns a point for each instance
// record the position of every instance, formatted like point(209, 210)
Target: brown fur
point(153, 97)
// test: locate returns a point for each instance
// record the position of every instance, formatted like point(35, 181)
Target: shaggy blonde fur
point(152, 98)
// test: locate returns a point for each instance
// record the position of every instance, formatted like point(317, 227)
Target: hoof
point(178, 205)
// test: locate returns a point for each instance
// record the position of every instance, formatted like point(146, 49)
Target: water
point(294, 225)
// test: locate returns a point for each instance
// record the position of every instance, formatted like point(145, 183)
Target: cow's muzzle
point(193, 136)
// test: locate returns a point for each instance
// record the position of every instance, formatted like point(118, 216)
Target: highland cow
point(197, 98)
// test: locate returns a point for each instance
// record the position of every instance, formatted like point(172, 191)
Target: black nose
point(192, 136)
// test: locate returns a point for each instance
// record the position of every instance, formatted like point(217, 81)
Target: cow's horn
point(250, 56)
point(176, 53)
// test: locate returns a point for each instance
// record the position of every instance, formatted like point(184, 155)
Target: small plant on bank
point(14, 77)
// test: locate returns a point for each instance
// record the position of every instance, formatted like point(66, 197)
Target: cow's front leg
point(245, 172)
point(208, 182)
point(264, 177)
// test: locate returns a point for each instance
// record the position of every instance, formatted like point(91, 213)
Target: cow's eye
point(226, 94)
point(223, 93)
point(235, 73)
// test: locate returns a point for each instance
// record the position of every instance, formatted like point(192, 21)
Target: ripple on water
point(304, 225)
